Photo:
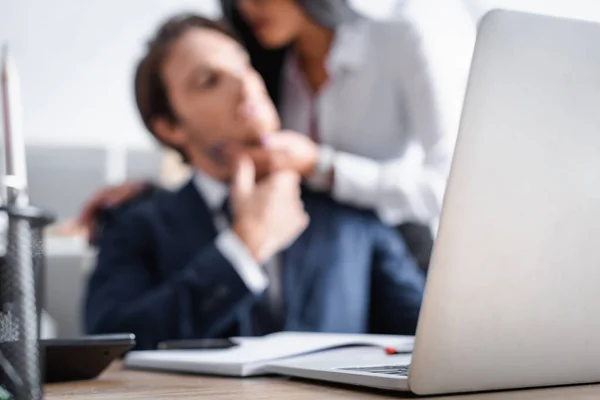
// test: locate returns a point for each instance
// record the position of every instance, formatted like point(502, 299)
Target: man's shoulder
point(155, 205)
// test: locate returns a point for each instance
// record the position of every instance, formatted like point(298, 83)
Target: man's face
point(217, 96)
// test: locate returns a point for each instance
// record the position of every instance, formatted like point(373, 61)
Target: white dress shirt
point(256, 278)
point(391, 107)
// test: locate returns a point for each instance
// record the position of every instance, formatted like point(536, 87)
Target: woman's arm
point(425, 55)
point(429, 56)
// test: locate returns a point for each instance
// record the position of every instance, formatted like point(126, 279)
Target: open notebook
point(252, 356)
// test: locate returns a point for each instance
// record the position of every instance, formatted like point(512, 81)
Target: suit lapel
point(196, 216)
point(195, 219)
point(189, 222)
point(327, 271)
point(302, 262)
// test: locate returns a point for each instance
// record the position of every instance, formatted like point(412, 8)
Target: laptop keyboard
point(398, 370)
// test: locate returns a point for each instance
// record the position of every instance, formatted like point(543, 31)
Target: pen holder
point(21, 301)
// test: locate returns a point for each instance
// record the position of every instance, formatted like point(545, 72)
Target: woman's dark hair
point(150, 92)
point(269, 62)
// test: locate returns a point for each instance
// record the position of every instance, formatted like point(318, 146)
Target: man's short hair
point(150, 92)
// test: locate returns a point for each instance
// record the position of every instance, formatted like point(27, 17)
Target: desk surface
point(119, 383)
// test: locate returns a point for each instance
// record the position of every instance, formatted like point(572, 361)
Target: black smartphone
point(82, 358)
point(196, 344)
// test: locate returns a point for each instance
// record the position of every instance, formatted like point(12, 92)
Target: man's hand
point(268, 216)
point(286, 150)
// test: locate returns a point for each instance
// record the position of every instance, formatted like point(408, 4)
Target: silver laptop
point(513, 292)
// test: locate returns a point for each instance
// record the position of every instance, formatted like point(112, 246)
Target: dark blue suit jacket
point(160, 275)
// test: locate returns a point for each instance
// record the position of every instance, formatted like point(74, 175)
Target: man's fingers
point(269, 160)
point(288, 183)
point(279, 141)
point(262, 159)
point(289, 176)
point(243, 178)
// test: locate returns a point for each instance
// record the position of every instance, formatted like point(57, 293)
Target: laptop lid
point(513, 292)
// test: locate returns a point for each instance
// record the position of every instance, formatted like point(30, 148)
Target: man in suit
point(238, 250)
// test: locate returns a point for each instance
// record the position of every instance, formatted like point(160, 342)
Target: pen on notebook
point(390, 351)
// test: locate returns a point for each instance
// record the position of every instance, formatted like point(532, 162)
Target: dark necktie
point(226, 210)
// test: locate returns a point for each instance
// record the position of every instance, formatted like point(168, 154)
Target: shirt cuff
point(235, 251)
point(356, 180)
point(321, 178)
point(390, 189)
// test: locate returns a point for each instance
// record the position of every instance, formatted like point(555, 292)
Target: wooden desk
point(118, 383)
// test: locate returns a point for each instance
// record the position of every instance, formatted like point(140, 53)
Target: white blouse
point(391, 107)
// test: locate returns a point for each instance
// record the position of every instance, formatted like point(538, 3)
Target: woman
point(370, 108)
